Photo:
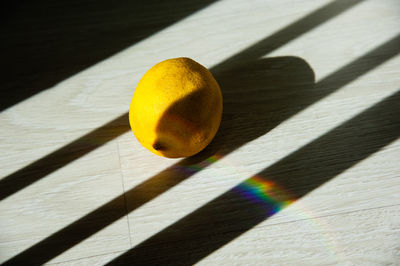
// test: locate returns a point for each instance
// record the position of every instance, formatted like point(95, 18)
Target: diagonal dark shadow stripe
point(49, 41)
point(105, 215)
point(223, 71)
point(61, 157)
point(289, 33)
point(238, 210)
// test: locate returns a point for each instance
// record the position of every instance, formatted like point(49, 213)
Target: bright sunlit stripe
point(83, 92)
point(255, 189)
point(358, 37)
point(271, 196)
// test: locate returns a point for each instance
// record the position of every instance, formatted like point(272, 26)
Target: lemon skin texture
point(176, 108)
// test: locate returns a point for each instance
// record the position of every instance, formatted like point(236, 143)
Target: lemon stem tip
point(158, 146)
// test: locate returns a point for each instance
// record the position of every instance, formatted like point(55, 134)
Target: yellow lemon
point(176, 108)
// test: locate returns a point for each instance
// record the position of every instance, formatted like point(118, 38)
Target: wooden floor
point(305, 169)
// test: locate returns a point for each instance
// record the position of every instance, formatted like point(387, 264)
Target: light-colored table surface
point(305, 168)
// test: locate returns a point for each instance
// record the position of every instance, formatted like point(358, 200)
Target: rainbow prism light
point(265, 193)
point(256, 189)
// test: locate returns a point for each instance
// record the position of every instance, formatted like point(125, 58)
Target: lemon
point(176, 108)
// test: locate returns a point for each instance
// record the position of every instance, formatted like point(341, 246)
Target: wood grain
point(362, 237)
point(310, 108)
